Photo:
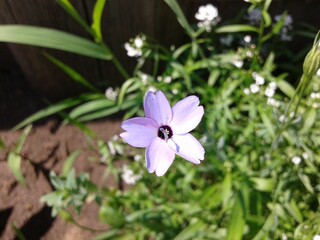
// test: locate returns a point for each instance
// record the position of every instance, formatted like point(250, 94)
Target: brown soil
point(46, 149)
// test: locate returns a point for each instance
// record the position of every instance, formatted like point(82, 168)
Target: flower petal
point(139, 131)
point(157, 107)
point(159, 157)
point(186, 115)
point(188, 147)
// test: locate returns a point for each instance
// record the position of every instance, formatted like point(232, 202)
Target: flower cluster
point(111, 93)
point(128, 176)
point(254, 16)
point(208, 16)
point(287, 27)
point(134, 46)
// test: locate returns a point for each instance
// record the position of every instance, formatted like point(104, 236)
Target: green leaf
point(91, 106)
point(263, 184)
point(74, 14)
point(180, 16)
point(68, 164)
point(267, 227)
point(214, 75)
point(266, 5)
point(191, 231)
point(236, 28)
point(294, 210)
point(286, 88)
point(99, 114)
point(111, 216)
point(96, 19)
point(124, 89)
point(55, 39)
point(74, 75)
point(306, 182)
point(267, 122)
point(109, 235)
point(309, 120)
point(266, 18)
point(18, 232)
point(2, 144)
point(14, 158)
point(53, 109)
point(236, 221)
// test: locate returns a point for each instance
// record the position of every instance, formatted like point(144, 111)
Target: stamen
point(165, 133)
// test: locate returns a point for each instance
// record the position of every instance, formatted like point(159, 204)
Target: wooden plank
point(41, 74)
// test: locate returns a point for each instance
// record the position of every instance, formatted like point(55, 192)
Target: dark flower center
point(165, 132)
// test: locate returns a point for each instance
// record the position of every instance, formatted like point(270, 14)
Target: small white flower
point(273, 102)
point(315, 105)
point(237, 63)
point(273, 85)
point(254, 88)
point(167, 79)
point(134, 47)
point(254, 16)
point(316, 237)
point(144, 78)
point(296, 160)
point(138, 42)
point(284, 236)
point(249, 54)
point(269, 92)
point(258, 78)
point(159, 78)
point(246, 91)
point(247, 38)
point(115, 138)
point(318, 73)
point(208, 16)
point(111, 94)
point(291, 115)
point(175, 91)
point(305, 155)
point(282, 118)
point(111, 148)
point(137, 157)
point(152, 89)
point(128, 176)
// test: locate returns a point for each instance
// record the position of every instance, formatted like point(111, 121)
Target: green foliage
point(14, 157)
point(50, 38)
point(260, 176)
point(69, 191)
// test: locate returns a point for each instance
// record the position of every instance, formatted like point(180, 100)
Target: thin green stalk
point(299, 91)
point(72, 220)
point(117, 64)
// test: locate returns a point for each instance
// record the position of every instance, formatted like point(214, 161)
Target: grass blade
point(58, 107)
point(236, 28)
point(74, 75)
point(180, 16)
point(14, 158)
point(67, 166)
point(91, 106)
point(55, 39)
point(67, 6)
point(96, 19)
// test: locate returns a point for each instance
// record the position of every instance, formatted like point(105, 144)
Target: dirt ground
point(46, 148)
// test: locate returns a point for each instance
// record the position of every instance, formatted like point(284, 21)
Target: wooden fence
point(122, 20)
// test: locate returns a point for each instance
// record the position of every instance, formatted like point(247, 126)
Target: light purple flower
point(164, 131)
